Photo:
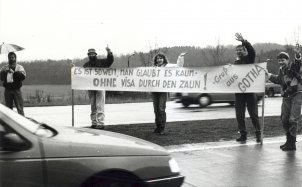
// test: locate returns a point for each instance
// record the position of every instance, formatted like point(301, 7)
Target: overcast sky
point(61, 29)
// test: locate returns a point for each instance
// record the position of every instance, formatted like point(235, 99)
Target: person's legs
point(285, 114)
point(92, 98)
point(240, 105)
point(252, 107)
point(100, 108)
point(162, 111)
point(294, 118)
point(8, 97)
point(295, 114)
point(17, 95)
point(155, 99)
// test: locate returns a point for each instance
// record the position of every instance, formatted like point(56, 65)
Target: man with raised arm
point(246, 55)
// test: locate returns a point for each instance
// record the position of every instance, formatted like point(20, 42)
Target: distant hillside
point(58, 71)
point(265, 47)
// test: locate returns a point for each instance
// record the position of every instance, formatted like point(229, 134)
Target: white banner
point(218, 79)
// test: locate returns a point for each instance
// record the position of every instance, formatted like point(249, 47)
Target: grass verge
point(188, 132)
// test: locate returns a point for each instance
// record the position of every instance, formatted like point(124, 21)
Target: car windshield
point(11, 117)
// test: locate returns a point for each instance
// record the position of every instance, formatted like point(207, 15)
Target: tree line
point(58, 71)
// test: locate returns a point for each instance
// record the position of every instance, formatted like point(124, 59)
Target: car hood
point(88, 142)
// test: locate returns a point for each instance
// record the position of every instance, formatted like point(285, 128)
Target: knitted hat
point(283, 55)
point(91, 51)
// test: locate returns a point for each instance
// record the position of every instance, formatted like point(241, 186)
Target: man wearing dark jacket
point(97, 97)
point(289, 77)
point(246, 55)
point(12, 76)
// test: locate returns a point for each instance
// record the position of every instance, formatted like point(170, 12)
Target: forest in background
point(48, 81)
point(40, 72)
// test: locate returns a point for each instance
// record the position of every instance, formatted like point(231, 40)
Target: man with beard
point(97, 97)
point(12, 76)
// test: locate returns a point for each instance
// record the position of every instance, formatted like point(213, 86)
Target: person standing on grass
point(160, 98)
point(289, 77)
point(97, 97)
point(12, 76)
point(246, 55)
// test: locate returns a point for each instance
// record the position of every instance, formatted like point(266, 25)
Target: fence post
point(72, 107)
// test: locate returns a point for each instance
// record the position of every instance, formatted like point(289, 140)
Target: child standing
point(289, 77)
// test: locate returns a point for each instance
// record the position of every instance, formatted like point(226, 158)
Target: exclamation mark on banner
point(205, 81)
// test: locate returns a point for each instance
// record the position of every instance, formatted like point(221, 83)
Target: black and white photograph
point(141, 93)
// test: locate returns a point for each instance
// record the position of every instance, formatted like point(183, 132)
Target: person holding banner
point(97, 97)
point(246, 55)
point(160, 98)
point(289, 77)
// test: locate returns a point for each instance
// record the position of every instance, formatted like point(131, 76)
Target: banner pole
point(262, 126)
point(72, 107)
point(263, 103)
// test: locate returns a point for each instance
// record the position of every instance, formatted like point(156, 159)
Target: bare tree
point(147, 58)
point(218, 53)
point(296, 36)
point(294, 42)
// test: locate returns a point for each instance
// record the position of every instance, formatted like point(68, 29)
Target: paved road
point(204, 164)
point(141, 113)
point(233, 164)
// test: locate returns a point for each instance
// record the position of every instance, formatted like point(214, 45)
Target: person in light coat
point(12, 76)
point(160, 98)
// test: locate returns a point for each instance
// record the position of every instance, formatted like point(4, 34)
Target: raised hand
point(239, 37)
point(108, 49)
point(297, 48)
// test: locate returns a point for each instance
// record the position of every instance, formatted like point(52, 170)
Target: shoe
point(92, 126)
point(99, 127)
point(161, 130)
point(291, 146)
point(156, 130)
point(286, 143)
point(242, 138)
point(258, 137)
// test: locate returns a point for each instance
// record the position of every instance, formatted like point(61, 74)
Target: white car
point(38, 155)
point(205, 99)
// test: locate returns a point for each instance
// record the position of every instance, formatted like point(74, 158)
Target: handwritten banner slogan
point(218, 79)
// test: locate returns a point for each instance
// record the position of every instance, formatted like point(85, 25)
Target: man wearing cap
point(12, 76)
point(289, 77)
point(246, 55)
point(97, 97)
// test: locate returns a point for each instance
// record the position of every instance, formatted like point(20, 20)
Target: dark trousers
point(249, 101)
point(12, 96)
point(159, 105)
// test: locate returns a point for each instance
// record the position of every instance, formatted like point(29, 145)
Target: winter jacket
point(250, 57)
point(100, 63)
point(14, 80)
point(289, 81)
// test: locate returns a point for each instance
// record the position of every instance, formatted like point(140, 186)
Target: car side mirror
point(13, 142)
